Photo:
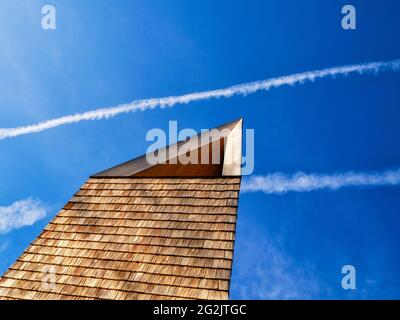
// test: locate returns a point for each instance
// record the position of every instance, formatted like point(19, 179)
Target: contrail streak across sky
point(241, 89)
point(279, 183)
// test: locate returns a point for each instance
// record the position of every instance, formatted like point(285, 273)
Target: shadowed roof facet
point(226, 140)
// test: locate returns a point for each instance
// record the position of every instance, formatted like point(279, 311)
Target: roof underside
point(226, 147)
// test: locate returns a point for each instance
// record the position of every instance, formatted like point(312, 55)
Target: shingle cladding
point(134, 238)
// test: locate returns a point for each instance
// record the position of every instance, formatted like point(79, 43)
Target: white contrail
point(279, 183)
point(241, 89)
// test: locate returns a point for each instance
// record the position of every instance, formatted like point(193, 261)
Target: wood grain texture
point(133, 238)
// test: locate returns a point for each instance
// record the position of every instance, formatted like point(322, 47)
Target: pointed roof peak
point(211, 153)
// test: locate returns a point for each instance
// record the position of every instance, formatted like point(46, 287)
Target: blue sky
point(103, 54)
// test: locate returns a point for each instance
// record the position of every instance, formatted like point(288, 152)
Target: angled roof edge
point(232, 157)
point(233, 151)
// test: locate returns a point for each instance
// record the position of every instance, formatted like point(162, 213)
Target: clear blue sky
point(105, 53)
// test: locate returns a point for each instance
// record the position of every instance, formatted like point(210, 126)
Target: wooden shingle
point(157, 253)
point(134, 237)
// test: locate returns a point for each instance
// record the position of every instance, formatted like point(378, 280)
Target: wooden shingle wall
point(133, 238)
